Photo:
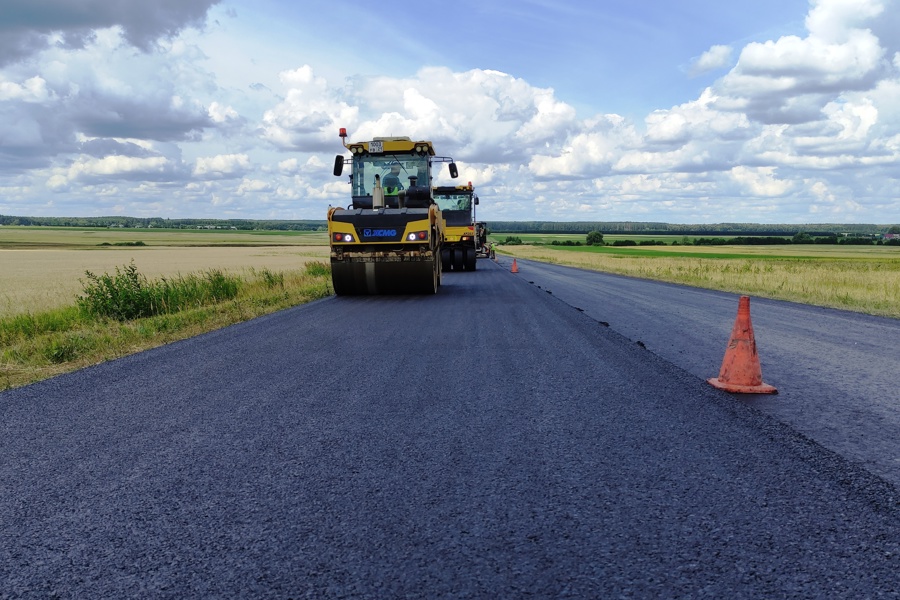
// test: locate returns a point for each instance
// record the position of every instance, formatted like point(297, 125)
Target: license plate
point(376, 147)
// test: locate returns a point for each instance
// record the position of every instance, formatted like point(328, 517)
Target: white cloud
point(836, 21)
point(589, 153)
point(288, 166)
point(117, 165)
point(791, 79)
point(761, 181)
point(222, 114)
point(223, 166)
point(717, 57)
point(33, 89)
point(309, 116)
point(806, 123)
point(110, 168)
point(253, 185)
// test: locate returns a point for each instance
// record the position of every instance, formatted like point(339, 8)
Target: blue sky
point(698, 111)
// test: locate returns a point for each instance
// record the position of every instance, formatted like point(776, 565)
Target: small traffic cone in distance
point(515, 267)
point(741, 372)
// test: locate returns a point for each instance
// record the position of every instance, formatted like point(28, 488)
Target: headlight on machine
point(417, 236)
point(342, 237)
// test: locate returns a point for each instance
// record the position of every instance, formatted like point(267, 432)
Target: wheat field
point(39, 279)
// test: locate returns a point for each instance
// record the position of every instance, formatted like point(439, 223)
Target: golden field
point(41, 268)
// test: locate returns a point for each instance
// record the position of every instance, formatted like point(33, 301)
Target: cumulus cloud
point(33, 89)
point(253, 185)
point(116, 166)
point(88, 170)
point(807, 122)
point(29, 26)
point(101, 91)
point(760, 181)
point(835, 21)
point(219, 113)
point(223, 166)
point(475, 111)
point(309, 116)
point(288, 166)
point(791, 79)
point(717, 57)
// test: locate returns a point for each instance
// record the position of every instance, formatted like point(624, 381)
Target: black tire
point(446, 259)
point(458, 259)
point(471, 259)
point(437, 277)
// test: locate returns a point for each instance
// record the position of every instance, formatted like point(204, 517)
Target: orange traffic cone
point(740, 371)
point(515, 267)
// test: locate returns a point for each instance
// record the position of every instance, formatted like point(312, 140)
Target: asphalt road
point(836, 371)
point(487, 442)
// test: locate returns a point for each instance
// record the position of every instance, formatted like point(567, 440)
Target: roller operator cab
point(462, 238)
point(388, 239)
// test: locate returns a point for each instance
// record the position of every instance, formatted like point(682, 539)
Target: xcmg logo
point(370, 233)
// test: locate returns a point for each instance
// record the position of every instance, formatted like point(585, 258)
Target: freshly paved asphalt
point(836, 371)
point(488, 442)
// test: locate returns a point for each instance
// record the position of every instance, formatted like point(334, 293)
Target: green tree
point(595, 238)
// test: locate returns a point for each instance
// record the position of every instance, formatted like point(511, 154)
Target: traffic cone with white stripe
point(741, 372)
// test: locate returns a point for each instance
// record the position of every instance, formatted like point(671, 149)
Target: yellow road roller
point(388, 239)
point(462, 238)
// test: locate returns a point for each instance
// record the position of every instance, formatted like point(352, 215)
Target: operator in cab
point(391, 183)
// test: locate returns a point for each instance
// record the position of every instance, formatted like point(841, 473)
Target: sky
point(697, 111)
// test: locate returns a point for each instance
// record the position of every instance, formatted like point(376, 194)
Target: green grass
point(129, 295)
point(122, 313)
point(651, 252)
point(609, 238)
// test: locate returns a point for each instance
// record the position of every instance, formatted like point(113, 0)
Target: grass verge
point(124, 313)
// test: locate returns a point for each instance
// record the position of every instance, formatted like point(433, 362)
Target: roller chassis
point(386, 267)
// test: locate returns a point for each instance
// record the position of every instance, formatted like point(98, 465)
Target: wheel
point(471, 259)
point(458, 259)
point(436, 269)
point(446, 259)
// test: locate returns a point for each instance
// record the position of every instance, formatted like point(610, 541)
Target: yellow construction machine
point(462, 238)
point(388, 240)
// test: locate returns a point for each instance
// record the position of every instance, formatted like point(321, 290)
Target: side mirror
point(453, 172)
point(476, 200)
point(338, 165)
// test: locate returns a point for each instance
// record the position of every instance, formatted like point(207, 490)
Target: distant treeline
point(650, 228)
point(564, 227)
point(798, 238)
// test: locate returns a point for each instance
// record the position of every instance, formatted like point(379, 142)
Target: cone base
point(762, 388)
